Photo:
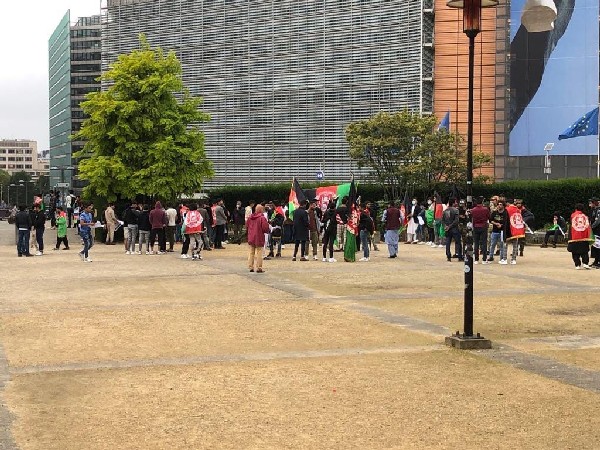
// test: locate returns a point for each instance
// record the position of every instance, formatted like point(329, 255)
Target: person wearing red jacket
point(257, 226)
point(480, 216)
point(158, 221)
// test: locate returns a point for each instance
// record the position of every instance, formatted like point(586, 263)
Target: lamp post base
point(462, 342)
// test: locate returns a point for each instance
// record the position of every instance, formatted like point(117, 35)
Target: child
point(61, 228)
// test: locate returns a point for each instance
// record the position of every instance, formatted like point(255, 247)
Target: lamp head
point(471, 13)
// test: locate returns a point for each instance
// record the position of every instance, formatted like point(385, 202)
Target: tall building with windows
point(282, 79)
point(74, 66)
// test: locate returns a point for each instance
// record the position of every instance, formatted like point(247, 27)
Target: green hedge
point(542, 197)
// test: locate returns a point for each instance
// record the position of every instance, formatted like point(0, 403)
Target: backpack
point(276, 232)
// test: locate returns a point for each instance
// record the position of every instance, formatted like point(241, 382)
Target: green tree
point(404, 152)
point(4, 182)
point(385, 144)
point(142, 134)
point(442, 158)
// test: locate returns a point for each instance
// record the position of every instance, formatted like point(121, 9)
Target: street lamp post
point(62, 178)
point(471, 27)
point(9, 186)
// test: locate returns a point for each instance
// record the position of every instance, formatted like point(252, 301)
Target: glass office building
point(282, 79)
point(74, 66)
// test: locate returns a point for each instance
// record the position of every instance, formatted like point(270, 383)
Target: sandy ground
point(154, 352)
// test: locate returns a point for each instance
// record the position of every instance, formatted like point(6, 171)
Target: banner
point(553, 74)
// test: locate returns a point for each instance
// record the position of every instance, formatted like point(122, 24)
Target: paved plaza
point(155, 352)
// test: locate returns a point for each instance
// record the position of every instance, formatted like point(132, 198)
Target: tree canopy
point(403, 151)
point(142, 135)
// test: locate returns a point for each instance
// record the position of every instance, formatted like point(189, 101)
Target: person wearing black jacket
point(38, 221)
point(366, 229)
point(529, 219)
point(329, 228)
point(500, 232)
point(342, 213)
point(301, 234)
point(131, 218)
point(23, 225)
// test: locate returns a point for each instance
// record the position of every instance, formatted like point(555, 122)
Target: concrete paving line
point(545, 367)
point(459, 294)
point(6, 439)
point(133, 306)
point(547, 281)
point(240, 358)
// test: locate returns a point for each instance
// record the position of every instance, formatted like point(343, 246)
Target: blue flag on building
point(445, 123)
point(586, 126)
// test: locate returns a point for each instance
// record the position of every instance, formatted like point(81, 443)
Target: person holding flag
point(517, 230)
point(579, 238)
point(349, 246)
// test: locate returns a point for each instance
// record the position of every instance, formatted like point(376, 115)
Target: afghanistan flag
point(326, 194)
point(297, 196)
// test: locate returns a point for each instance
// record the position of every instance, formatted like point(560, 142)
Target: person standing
point(528, 219)
point(499, 221)
point(144, 228)
point(595, 224)
point(480, 216)
point(111, 223)
point(69, 204)
point(158, 222)
point(220, 222)
point(86, 222)
point(579, 238)
point(329, 232)
point(23, 226)
point(366, 230)
point(257, 226)
point(413, 223)
point(392, 217)
point(450, 219)
point(372, 211)
point(192, 230)
point(301, 231)
point(171, 225)
point(61, 229)
point(238, 217)
point(131, 218)
point(342, 219)
point(517, 230)
point(313, 227)
point(38, 220)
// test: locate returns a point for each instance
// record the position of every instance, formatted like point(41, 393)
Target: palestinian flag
point(297, 196)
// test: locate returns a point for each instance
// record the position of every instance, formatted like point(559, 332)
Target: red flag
point(580, 227)
point(517, 226)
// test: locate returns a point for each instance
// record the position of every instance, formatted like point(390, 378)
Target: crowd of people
point(497, 227)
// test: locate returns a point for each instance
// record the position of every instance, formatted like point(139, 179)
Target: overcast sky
point(24, 35)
